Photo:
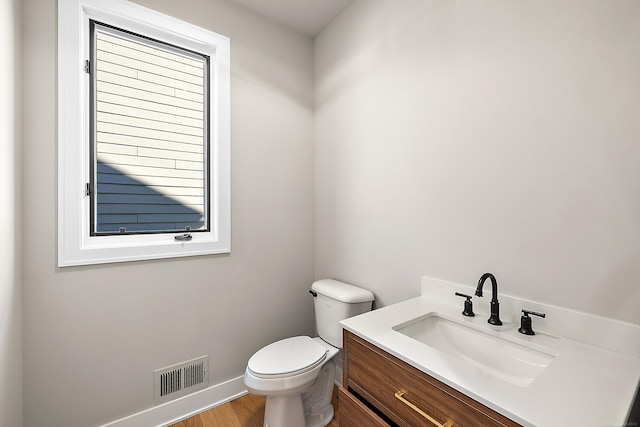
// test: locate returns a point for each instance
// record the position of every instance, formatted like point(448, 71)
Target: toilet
point(297, 374)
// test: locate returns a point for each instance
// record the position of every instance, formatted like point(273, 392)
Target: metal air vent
point(181, 379)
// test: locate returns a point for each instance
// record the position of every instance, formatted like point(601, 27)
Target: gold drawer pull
point(399, 395)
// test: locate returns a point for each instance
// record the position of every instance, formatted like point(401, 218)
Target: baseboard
point(184, 407)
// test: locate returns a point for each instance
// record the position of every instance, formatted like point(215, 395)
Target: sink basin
point(498, 355)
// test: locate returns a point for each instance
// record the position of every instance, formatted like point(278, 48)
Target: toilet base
point(317, 402)
point(310, 409)
point(280, 411)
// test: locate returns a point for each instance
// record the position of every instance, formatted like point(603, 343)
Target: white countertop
point(592, 380)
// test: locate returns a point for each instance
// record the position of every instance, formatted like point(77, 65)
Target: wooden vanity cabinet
point(382, 390)
point(354, 413)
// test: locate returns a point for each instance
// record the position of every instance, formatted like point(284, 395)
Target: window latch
point(184, 238)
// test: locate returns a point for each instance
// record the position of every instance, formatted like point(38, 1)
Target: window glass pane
point(150, 135)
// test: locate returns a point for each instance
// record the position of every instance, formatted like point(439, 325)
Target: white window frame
point(76, 246)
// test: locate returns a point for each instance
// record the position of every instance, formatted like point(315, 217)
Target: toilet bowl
point(297, 374)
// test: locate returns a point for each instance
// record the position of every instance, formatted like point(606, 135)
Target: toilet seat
point(287, 357)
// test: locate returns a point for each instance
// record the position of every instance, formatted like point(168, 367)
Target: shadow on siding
point(126, 202)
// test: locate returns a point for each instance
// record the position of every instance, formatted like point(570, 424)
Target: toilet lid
point(287, 356)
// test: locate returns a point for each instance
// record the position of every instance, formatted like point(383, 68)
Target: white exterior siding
point(150, 137)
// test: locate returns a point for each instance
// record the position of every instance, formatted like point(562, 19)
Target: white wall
point(10, 270)
point(94, 335)
point(454, 138)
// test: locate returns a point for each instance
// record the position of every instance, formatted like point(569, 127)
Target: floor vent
point(181, 379)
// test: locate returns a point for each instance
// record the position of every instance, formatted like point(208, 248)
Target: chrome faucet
point(495, 305)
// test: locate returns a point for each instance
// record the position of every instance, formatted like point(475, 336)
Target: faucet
point(495, 306)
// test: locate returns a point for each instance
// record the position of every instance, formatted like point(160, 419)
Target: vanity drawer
point(408, 396)
point(354, 413)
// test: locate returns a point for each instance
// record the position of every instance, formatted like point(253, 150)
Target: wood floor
point(246, 411)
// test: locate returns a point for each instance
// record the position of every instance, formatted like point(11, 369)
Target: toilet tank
point(335, 301)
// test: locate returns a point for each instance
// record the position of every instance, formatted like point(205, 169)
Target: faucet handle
point(525, 322)
point(468, 305)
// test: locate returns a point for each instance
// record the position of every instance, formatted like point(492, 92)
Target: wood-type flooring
point(245, 411)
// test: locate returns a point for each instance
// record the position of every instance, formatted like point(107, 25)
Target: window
point(143, 135)
point(150, 142)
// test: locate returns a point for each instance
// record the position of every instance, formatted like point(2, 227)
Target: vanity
point(400, 394)
point(422, 363)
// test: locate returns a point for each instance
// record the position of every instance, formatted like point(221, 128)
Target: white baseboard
point(184, 407)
